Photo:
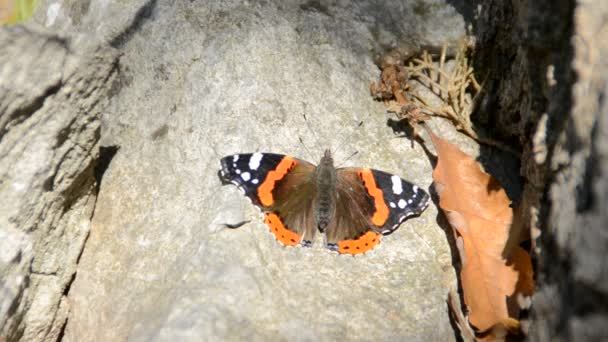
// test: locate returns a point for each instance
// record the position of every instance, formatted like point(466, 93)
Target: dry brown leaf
point(392, 84)
point(478, 210)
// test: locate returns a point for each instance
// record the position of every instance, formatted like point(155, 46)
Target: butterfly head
point(327, 159)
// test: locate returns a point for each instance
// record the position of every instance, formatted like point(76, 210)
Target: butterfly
point(353, 207)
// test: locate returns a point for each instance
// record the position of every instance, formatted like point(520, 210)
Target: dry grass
point(451, 84)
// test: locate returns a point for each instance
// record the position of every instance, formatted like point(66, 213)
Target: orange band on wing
point(284, 235)
point(363, 244)
point(265, 189)
point(381, 213)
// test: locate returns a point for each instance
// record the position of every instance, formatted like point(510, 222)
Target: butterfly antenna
point(343, 140)
point(312, 131)
point(310, 155)
point(347, 159)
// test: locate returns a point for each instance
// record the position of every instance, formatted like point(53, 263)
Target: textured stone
point(201, 80)
point(576, 240)
point(50, 103)
point(547, 63)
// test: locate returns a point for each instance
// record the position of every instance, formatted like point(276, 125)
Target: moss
point(16, 11)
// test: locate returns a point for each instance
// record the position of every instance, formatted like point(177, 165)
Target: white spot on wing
point(397, 186)
point(246, 176)
point(235, 158)
point(393, 205)
point(255, 181)
point(255, 160)
point(402, 203)
point(415, 188)
point(237, 171)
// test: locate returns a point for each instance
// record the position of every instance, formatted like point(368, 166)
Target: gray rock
point(548, 84)
point(576, 241)
point(201, 80)
point(50, 103)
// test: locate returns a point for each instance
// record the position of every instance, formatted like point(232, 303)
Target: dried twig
point(454, 85)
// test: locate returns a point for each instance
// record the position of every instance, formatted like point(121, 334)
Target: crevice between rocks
point(23, 113)
point(143, 14)
point(73, 138)
point(95, 176)
point(106, 154)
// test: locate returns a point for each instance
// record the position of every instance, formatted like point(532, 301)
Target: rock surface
point(201, 80)
point(198, 81)
point(548, 71)
point(50, 103)
point(576, 238)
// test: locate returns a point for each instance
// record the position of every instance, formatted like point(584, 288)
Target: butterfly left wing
point(371, 203)
point(248, 171)
point(280, 186)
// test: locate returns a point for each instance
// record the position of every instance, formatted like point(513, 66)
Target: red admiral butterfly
point(353, 207)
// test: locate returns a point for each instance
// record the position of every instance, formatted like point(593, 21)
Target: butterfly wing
point(371, 203)
point(281, 186)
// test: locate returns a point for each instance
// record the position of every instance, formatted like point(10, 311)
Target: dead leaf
point(392, 84)
point(478, 209)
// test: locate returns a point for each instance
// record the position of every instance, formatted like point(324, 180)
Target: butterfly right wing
point(371, 203)
point(281, 186)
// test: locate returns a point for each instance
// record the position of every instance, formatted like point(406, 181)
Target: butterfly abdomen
point(325, 199)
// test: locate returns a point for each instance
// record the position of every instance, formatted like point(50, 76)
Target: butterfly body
point(325, 200)
point(352, 207)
